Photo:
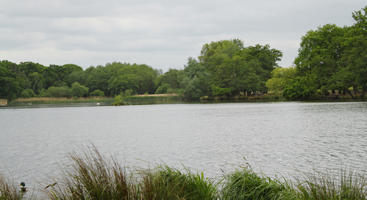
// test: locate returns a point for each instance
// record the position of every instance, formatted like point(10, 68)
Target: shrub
point(162, 89)
point(118, 101)
point(97, 93)
point(27, 93)
point(62, 91)
point(78, 90)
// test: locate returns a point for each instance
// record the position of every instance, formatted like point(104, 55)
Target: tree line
point(331, 61)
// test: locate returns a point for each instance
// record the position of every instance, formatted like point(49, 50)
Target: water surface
point(274, 138)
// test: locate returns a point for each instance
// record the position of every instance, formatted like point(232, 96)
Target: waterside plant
point(91, 176)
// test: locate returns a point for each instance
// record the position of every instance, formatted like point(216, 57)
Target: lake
point(278, 139)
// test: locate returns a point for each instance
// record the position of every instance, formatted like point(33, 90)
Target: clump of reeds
point(165, 183)
point(247, 185)
point(349, 186)
point(8, 191)
point(92, 177)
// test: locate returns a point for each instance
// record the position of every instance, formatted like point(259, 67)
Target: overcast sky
point(160, 33)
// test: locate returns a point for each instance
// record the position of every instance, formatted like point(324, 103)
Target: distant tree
point(280, 78)
point(97, 93)
point(78, 90)
point(62, 91)
point(9, 85)
point(300, 88)
point(234, 68)
point(27, 93)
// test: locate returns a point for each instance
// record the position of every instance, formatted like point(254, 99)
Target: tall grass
point(92, 177)
point(247, 185)
point(349, 185)
point(8, 191)
point(165, 183)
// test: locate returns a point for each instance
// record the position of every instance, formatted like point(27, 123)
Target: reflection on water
point(275, 138)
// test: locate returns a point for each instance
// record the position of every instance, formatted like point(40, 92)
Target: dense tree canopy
point(334, 58)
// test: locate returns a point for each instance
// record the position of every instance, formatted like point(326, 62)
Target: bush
point(163, 89)
point(27, 93)
point(62, 91)
point(97, 93)
point(127, 93)
point(301, 88)
point(78, 90)
point(118, 101)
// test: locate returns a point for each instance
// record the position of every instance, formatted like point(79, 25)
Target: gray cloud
point(161, 33)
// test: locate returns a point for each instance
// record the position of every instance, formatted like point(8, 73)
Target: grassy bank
point(92, 176)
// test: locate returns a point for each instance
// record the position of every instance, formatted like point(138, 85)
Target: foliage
point(78, 90)
point(163, 88)
point(118, 101)
point(97, 93)
point(335, 57)
point(235, 69)
point(300, 88)
point(27, 93)
point(280, 78)
point(62, 91)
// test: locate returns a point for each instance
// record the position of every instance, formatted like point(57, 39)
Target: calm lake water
point(285, 139)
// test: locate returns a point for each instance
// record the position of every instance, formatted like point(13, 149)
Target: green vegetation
point(331, 64)
point(92, 176)
point(8, 191)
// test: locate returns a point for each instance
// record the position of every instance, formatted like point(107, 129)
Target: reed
point(245, 184)
point(165, 183)
point(348, 185)
point(8, 191)
point(92, 177)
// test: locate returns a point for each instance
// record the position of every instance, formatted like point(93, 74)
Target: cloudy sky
point(160, 33)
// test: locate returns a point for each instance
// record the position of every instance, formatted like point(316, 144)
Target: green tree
point(27, 93)
point(97, 93)
point(320, 54)
point(280, 78)
point(234, 69)
point(355, 54)
point(62, 91)
point(300, 88)
point(78, 90)
point(9, 86)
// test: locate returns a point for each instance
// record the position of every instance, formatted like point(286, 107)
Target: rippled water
point(275, 138)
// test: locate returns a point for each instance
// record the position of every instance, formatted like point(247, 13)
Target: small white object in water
point(98, 104)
